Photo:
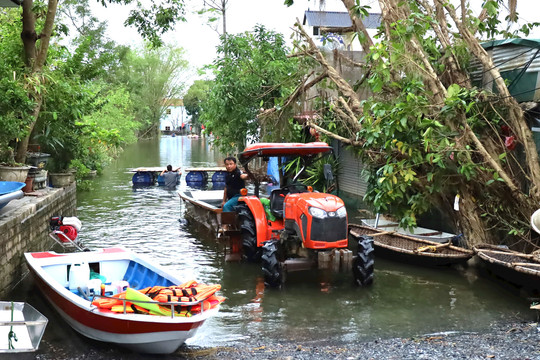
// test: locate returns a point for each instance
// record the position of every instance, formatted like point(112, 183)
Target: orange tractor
point(295, 226)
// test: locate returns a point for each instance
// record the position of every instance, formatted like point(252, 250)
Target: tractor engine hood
point(303, 201)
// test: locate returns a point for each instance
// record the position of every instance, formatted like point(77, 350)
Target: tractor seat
point(277, 197)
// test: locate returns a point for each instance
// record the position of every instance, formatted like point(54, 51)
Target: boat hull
point(400, 247)
point(138, 332)
point(505, 264)
point(204, 210)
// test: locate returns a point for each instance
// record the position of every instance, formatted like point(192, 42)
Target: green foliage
point(253, 72)
point(44, 100)
point(315, 174)
point(492, 27)
point(195, 97)
point(153, 20)
point(152, 77)
point(411, 150)
point(15, 106)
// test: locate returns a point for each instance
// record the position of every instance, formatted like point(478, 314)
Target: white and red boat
point(63, 278)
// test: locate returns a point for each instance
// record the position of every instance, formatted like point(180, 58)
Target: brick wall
point(25, 228)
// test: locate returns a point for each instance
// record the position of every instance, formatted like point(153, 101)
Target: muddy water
point(404, 300)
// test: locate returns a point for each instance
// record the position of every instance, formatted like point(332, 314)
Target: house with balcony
point(175, 118)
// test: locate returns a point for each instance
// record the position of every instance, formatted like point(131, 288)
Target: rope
point(11, 335)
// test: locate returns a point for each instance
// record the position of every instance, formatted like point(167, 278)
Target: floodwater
point(313, 307)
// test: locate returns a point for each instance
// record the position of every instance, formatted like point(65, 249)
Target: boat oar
point(432, 248)
point(524, 264)
point(383, 233)
point(509, 252)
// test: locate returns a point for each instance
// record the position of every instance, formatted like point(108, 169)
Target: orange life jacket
point(109, 302)
point(189, 291)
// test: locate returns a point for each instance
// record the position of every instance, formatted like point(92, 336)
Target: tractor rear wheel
point(364, 261)
point(251, 252)
point(271, 267)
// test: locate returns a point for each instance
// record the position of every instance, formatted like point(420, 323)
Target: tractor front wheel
point(364, 261)
point(271, 267)
point(251, 252)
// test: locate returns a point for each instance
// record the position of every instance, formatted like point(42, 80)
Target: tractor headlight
point(341, 212)
point(316, 212)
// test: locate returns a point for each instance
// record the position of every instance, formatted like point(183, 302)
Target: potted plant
point(9, 169)
point(59, 173)
point(62, 152)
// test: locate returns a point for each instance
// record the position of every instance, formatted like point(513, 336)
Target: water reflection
point(314, 306)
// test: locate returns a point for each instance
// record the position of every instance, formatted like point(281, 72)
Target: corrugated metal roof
point(10, 3)
point(534, 43)
point(338, 19)
point(511, 54)
point(518, 61)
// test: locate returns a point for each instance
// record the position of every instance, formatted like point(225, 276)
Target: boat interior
point(125, 271)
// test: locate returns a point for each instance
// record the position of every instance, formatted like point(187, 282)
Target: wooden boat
point(412, 250)
point(204, 207)
point(520, 269)
point(63, 278)
point(417, 232)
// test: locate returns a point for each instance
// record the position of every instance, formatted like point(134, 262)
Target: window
point(315, 30)
point(169, 111)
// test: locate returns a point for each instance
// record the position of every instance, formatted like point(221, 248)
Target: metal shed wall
point(518, 61)
point(351, 179)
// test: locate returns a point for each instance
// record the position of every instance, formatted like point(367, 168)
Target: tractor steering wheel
point(295, 188)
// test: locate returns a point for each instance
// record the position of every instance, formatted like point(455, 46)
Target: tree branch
point(333, 74)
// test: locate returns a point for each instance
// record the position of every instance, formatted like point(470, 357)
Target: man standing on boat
point(170, 177)
point(234, 181)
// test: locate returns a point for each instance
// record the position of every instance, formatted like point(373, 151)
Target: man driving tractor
point(234, 181)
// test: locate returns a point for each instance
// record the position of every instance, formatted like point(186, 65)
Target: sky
point(199, 40)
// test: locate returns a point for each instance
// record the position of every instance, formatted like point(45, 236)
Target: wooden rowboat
point(520, 269)
point(412, 250)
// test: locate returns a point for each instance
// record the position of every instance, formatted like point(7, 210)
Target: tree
point(195, 97)
point(253, 71)
point(220, 7)
point(40, 16)
point(429, 137)
point(14, 102)
point(154, 78)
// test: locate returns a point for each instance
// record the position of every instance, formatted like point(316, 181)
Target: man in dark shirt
point(234, 181)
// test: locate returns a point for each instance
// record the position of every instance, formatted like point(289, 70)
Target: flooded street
point(404, 301)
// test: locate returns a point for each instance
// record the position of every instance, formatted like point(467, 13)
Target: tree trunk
point(22, 146)
point(34, 60)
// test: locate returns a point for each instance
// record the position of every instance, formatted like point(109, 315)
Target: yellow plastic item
point(134, 296)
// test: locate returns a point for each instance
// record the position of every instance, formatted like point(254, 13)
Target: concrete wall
point(24, 227)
